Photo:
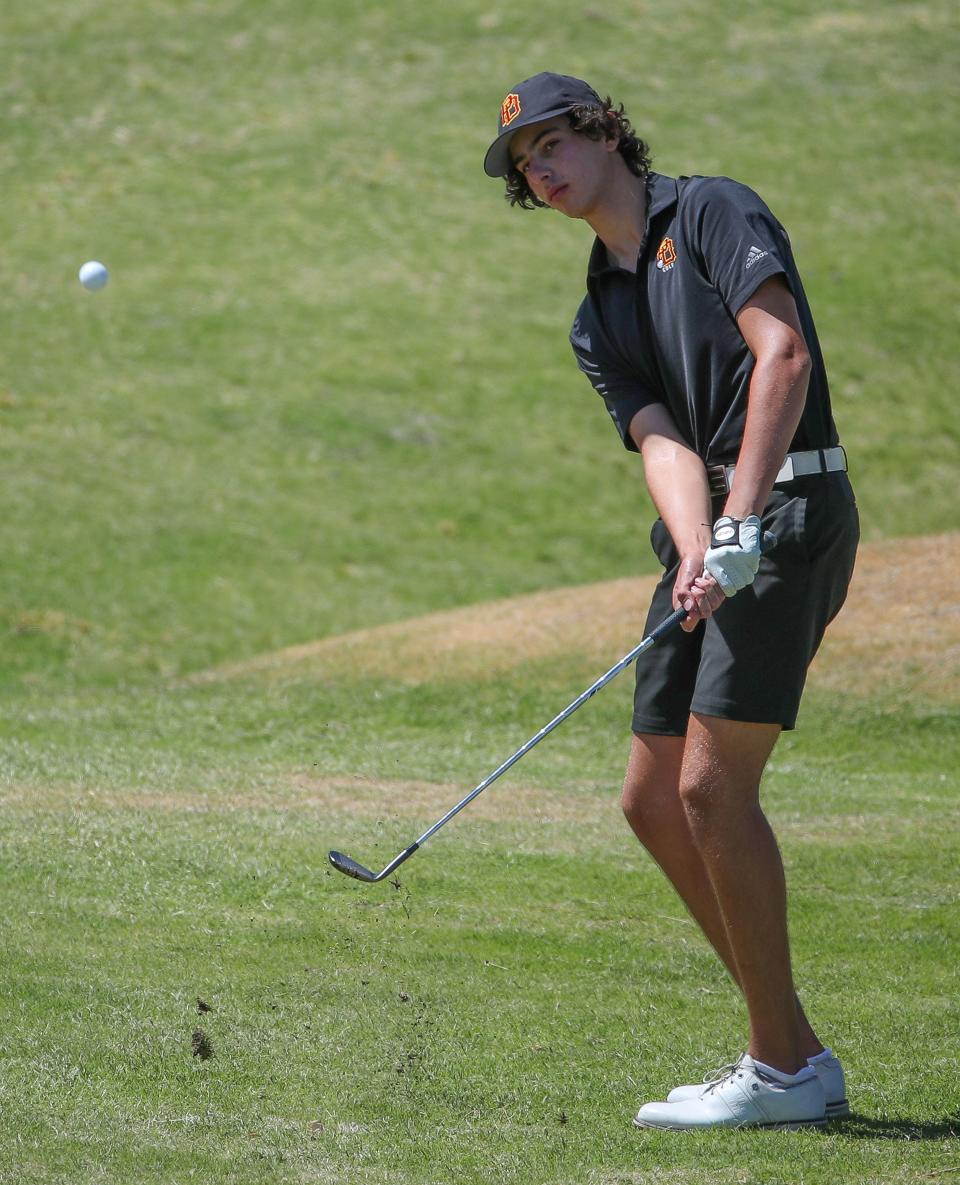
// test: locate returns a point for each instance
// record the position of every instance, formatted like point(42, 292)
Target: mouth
point(554, 193)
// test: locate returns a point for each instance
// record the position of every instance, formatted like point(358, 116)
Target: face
point(563, 168)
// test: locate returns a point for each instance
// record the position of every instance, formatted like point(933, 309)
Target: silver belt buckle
point(786, 471)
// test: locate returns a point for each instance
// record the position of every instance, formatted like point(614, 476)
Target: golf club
point(350, 867)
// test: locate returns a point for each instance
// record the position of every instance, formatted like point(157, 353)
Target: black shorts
point(749, 661)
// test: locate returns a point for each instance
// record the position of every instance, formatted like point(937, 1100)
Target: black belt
point(806, 464)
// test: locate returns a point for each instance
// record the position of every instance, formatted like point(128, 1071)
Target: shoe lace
point(715, 1078)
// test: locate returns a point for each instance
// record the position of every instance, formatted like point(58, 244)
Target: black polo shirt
point(668, 334)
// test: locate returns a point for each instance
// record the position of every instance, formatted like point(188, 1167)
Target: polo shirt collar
point(662, 195)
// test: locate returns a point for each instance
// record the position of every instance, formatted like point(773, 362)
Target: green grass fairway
point(326, 402)
point(496, 1012)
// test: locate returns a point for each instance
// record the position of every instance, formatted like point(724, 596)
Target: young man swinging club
point(696, 332)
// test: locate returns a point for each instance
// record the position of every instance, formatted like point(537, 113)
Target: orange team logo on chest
point(666, 255)
point(509, 109)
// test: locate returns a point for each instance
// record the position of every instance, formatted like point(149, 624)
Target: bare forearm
point(778, 390)
point(677, 481)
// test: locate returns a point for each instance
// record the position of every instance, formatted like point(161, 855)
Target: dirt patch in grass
point(478, 640)
point(899, 633)
point(556, 820)
point(329, 798)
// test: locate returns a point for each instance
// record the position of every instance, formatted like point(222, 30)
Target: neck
point(620, 220)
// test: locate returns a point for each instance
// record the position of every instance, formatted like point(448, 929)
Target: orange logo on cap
point(666, 255)
point(509, 110)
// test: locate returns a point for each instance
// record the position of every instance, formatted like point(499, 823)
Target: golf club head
point(350, 867)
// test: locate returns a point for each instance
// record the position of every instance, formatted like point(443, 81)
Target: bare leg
point(655, 811)
point(723, 762)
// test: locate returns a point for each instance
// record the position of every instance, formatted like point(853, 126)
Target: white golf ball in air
point(93, 275)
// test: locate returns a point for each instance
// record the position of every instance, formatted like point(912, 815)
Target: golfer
point(696, 332)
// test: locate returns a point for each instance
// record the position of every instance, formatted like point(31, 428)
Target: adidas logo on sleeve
point(754, 255)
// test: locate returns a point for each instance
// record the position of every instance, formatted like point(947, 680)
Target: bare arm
point(677, 481)
point(676, 476)
point(778, 391)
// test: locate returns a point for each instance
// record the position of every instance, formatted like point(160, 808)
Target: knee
point(711, 802)
point(648, 807)
point(699, 798)
point(631, 801)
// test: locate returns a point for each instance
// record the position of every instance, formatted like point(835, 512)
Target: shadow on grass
point(864, 1128)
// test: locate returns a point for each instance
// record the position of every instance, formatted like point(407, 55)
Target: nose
point(542, 172)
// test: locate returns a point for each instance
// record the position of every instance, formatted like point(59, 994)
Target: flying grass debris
point(201, 1045)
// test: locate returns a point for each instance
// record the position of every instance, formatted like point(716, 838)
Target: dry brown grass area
point(898, 634)
point(330, 797)
point(892, 639)
point(568, 818)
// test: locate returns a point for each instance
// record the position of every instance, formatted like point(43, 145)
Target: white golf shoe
point(744, 1097)
point(828, 1068)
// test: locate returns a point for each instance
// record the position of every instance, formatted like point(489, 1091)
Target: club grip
point(668, 624)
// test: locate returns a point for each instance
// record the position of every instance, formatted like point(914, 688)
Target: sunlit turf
point(328, 386)
point(328, 383)
point(494, 1014)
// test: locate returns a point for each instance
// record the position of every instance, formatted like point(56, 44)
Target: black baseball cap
point(540, 97)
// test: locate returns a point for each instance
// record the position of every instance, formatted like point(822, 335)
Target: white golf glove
point(733, 556)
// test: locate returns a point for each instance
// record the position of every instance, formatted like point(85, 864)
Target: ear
point(612, 138)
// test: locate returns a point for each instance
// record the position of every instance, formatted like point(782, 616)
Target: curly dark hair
point(599, 123)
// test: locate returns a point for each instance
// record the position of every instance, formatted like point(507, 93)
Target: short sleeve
point(622, 391)
point(741, 242)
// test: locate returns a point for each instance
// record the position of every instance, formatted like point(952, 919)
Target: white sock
point(824, 1056)
point(786, 1079)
